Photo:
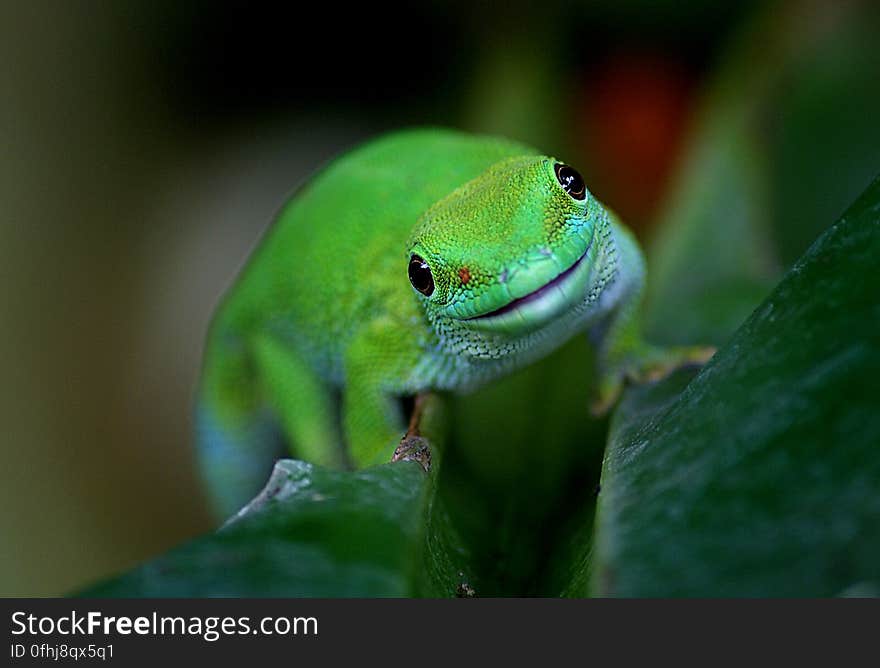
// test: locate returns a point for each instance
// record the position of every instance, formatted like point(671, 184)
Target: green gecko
point(422, 261)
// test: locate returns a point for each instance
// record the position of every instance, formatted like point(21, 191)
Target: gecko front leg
point(624, 357)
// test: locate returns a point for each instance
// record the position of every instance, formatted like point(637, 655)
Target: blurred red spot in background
point(635, 109)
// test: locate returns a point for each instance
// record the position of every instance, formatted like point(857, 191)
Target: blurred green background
point(146, 145)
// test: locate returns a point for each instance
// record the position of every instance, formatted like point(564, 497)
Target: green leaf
point(761, 477)
point(312, 532)
point(711, 261)
point(519, 475)
point(824, 150)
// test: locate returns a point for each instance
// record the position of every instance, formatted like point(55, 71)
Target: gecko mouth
point(542, 304)
point(537, 294)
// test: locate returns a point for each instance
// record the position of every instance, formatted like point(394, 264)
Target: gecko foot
point(413, 449)
point(649, 366)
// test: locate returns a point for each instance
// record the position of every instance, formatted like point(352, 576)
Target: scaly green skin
point(323, 329)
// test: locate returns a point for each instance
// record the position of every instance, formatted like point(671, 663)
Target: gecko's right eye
point(420, 275)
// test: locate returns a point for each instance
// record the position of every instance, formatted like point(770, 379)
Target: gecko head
point(508, 252)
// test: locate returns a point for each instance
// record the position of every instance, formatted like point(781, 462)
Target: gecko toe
point(413, 449)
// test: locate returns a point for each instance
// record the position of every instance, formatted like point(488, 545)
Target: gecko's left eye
point(570, 180)
point(420, 276)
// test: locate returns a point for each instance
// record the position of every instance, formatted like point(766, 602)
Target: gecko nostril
point(502, 277)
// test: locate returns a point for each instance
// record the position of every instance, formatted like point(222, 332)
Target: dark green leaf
point(321, 533)
point(761, 478)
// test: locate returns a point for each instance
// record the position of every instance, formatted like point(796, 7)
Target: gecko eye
point(570, 180)
point(420, 275)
